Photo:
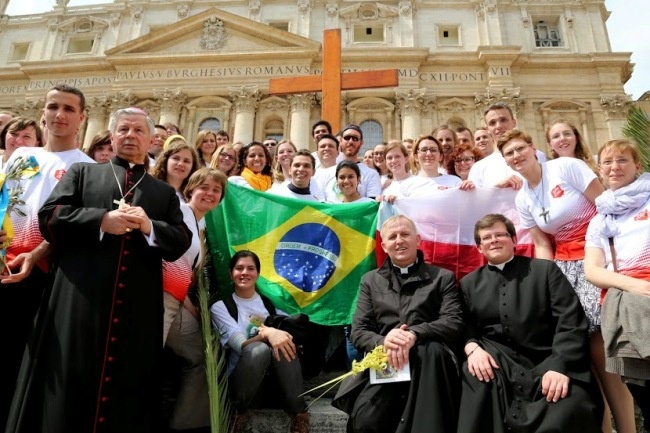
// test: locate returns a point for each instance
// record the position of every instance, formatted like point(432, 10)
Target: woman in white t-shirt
point(556, 204)
point(624, 217)
point(255, 349)
point(181, 325)
point(425, 163)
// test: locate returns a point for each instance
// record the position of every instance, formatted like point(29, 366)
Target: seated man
point(414, 310)
point(527, 367)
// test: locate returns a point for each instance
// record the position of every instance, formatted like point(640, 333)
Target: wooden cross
point(332, 81)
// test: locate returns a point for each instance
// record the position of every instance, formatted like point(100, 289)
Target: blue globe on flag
point(307, 255)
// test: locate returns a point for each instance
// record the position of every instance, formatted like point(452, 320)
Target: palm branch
point(637, 129)
point(215, 363)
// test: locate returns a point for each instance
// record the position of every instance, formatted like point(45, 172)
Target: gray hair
point(112, 125)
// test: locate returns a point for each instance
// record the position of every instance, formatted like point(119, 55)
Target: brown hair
point(160, 169)
point(100, 139)
point(200, 175)
point(18, 124)
point(199, 142)
point(278, 174)
point(415, 165)
point(513, 134)
point(458, 152)
point(488, 221)
point(214, 163)
point(582, 150)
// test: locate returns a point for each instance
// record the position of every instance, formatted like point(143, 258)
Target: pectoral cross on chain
point(544, 215)
point(122, 204)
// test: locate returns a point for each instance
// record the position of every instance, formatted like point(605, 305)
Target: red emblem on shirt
point(557, 192)
point(641, 216)
point(59, 174)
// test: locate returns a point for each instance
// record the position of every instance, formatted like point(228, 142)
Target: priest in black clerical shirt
point(414, 310)
point(93, 364)
point(527, 366)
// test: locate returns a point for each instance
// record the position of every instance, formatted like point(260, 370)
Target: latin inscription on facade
point(243, 71)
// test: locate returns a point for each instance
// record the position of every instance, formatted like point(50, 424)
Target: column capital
point(410, 101)
point(245, 98)
point(301, 101)
point(170, 100)
point(31, 108)
point(99, 106)
point(511, 96)
point(615, 106)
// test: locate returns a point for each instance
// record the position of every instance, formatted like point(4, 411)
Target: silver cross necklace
point(544, 213)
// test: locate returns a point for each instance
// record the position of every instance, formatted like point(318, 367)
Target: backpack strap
point(231, 306)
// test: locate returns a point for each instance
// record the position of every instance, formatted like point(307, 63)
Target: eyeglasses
point(565, 134)
point(425, 150)
point(619, 162)
point(378, 153)
point(270, 144)
point(496, 236)
point(226, 156)
point(351, 138)
point(519, 149)
point(466, 160)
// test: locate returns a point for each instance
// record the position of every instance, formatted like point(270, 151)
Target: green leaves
point(637, 129)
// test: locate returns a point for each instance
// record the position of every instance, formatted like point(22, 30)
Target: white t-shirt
point(177, 275)
point(489, 171)
point(52, 167)
point(282, 190)
point(251, 313)
point(632, 243)
point(564, 181)
point(370, 185)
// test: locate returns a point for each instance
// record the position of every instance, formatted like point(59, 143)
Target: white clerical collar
point(406, 269)
point(502, 265)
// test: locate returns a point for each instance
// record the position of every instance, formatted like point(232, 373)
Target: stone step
point(324, 418)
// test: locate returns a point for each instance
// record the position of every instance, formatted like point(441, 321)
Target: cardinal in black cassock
point(91, 365)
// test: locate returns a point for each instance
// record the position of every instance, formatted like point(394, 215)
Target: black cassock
point(91, 365)
point(530, 320)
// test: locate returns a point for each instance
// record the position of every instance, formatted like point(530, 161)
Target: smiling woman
point(177, 163)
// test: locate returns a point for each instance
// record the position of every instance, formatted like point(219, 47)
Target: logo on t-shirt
point(59, 174)
point(557, 192)
point(641, 216)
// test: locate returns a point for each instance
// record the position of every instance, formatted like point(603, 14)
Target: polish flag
point(445, 221)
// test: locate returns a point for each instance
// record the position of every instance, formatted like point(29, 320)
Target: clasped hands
point(481, 364)
point(121, 221)
point(280, 341)
point(398, 343)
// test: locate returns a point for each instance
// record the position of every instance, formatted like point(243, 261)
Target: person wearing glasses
point(351, 142)
point(556, 203)
point(425, 162)
point(526, 348)
point(271, 143)
point(624, 267)
point(379, 159)
point(461, 161)
point(225, 159)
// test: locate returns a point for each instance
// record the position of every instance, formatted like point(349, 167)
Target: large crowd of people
point(105, 246)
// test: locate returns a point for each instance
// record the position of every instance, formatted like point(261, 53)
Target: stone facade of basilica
point(207, 64)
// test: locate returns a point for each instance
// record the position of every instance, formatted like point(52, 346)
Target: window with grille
point(373, 134)
point(547, 35)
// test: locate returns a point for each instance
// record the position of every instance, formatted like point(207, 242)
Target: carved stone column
point(410, 103)
point(300, 108)
point(245, 100)
point(171, 102)
point(97, 109)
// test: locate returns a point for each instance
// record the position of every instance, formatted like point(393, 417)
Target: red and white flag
point(445, 222)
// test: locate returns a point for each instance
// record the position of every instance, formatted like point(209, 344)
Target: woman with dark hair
point(254, 165)
point(225, 159)
point(255, 349)
point(348, 177)
point(176, 164)
point(448, 140)
point(19, 132)
point(205, 144)
point(101, 149)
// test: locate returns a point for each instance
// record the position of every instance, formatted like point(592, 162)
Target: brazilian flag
point(313, 255)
